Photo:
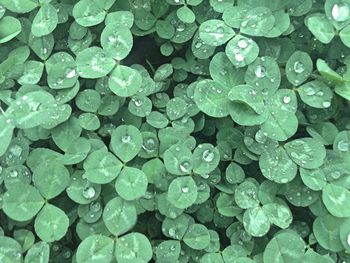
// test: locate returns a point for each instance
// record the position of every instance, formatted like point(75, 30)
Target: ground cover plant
point(174, 131)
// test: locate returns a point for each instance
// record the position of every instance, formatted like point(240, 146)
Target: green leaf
point(126, 142)
point(246, 107)
point(10, 250)
point(88, 100)
point(131, 184)
point(320, 27)
point(311, 256)
point(246, 195)
point(125, 81)
point(215, 32)
point(120, 18)
point(5, 134)
point(38, 253)
point(182, 192)
point(101, 167)
point(211, 98)
point(298, 68)
point(242, 51)
point(185, 14)
point(276, 166)
point(257, 21)
point(133, 247)
point(315, 179)
point(51, 179)
point(51, 224)
point(10, 27)
point(205, 158)
point(197, 237)
point(45, 21)
point(88, 13)
point(20, 6)
point(285, 247)
point(326, 231)
point(117, 41)
point(227, 206)
point(33, 71)
point(82, 191)
point(316, 94)
point(344, 231)
point(177, 160)
point(306, 152)
point(22, 202)
point(278, 214)
point(337, 200)
point(256, 221)
point(95, 249)
point(119, 216)
point(93, 63)
point(31, 110)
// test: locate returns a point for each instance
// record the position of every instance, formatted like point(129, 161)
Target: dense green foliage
point(172, 131)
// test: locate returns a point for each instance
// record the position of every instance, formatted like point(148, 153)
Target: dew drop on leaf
point(340, 12)
point(71, 73)
point(185, 166)
point(172, 232)
point(326, 104)
point(299, 67)
point(343, 146)
point(208, 156)
point(185, 189)
point(239, 57)
point(126, 138)
point(89, 192)
point(260, 71)
point(242, 43)
point(286, 99)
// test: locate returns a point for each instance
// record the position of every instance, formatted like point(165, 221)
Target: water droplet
point(260, 71)
point(242, 43)
point(284, 180)
point(149, 144)
point(309, 91)
point(126, 138)
point(172, 232)
point(299, 67)
point(16, 150)
point(71, 73)
point(180, 27)
point(239, 57)
point(185, 166)
point(172, 248)
point(260, 136)
point(112, 38)
point(89, 192)
point(248, 141)
point(343, 146)
point(286, 99)
point(348, 239)
point(198, 44)
point(13, 174)
point(326, 104)
point(95, 206)
point(208, 155)
point(340, 12)
point(335, 175)
point(185, 189)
